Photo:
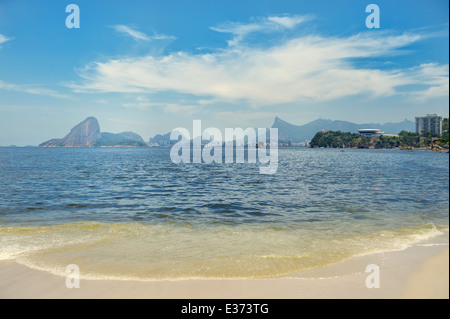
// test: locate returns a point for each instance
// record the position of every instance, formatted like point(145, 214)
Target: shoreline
point(420, 271)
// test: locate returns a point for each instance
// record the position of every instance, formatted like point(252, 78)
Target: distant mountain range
point(300, 133)
point(88, 134)
point(161, 140)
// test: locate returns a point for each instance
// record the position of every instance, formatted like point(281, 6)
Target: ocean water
point(130, 213)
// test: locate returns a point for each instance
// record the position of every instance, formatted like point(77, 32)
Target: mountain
point(84, 134)
point(163, 140)
point(88, 134)
point(300, 133)
point(121, 139)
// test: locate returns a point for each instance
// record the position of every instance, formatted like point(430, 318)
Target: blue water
point(198, 220)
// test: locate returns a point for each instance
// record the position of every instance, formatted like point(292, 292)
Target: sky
point(153, 66)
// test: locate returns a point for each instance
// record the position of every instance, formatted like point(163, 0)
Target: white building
point(430, 122)
point(370, 132)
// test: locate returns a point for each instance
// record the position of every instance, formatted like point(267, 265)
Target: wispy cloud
point(157, 36)
point(271, 24)
point(138, 35)
point(126, 30)
point(4, 39)
point(288, 22)
point(435, 76)
point(32, 89)
point(128, 122)
point(184, 109)
point(140, 102)
point(301, 68)
point(181, 107)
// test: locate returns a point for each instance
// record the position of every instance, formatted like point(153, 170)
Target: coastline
point(420, 271)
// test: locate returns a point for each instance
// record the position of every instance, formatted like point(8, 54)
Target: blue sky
point(151, 66)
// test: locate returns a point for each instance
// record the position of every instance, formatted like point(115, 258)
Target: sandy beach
point(421, 271)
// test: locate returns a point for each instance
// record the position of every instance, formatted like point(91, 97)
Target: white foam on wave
point(282, 259)
point(399, 242)
point(432, 245)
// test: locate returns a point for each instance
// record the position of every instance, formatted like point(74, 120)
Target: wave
point(176, 251)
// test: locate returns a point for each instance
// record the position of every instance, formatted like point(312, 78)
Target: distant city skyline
point(150, 67)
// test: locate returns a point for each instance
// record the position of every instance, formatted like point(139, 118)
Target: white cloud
point(244, 118)
point(180, 107)
point(171, 108)
point(435, 76)
point(129, 122)
point(32, 89)
point(302, 68)
point(140, 106)
point(157, 36)
point(288, 22)
point(270, 24)
point(139, 102)
point(4, 39)
point(183, 109)
point(137, 35)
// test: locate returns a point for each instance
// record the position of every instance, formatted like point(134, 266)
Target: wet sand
point(421, 271)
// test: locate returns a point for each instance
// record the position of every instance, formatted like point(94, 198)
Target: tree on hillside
point(444, 138)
